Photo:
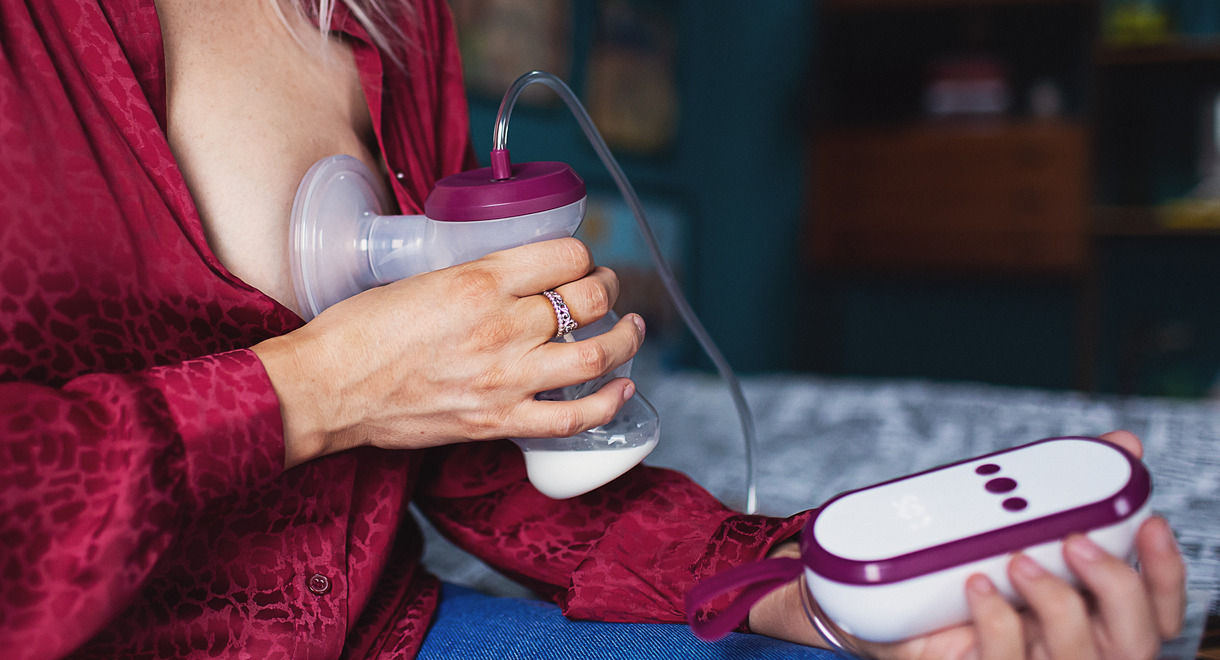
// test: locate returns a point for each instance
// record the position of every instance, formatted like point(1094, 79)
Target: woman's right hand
point(1127, 614)
point(453, 355)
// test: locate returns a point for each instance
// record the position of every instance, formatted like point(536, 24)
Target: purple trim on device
point(758, 579)
point(479, 195)
point(1117, 507)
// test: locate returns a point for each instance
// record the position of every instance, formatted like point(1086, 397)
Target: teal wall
point(738, 166)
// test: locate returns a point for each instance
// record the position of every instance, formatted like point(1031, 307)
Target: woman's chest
point(250, 108)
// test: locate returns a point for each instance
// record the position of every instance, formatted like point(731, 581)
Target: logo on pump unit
point(911, 511)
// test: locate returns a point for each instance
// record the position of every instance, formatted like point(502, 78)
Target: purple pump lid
point(477, 195)
point(1111, 510)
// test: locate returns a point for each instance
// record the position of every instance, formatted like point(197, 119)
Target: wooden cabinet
point(999, 249)
point(951, 240)
point(995, 196)
point(898, 186)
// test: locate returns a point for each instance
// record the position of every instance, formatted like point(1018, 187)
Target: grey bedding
point(819, 437)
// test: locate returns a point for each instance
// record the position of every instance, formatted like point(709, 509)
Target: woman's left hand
point(1126, 614)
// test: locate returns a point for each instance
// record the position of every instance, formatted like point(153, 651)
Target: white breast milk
point(561, 474)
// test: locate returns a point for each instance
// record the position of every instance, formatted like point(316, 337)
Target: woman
point(188, 469)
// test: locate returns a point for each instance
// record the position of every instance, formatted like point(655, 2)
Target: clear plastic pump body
point(344, 245)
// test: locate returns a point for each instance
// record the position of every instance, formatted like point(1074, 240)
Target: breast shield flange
point(336, 203)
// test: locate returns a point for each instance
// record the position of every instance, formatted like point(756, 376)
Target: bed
point(820, 436)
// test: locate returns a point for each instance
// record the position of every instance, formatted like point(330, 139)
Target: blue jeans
point(473, 626)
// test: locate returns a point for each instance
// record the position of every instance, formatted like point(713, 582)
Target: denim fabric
point(473, 626)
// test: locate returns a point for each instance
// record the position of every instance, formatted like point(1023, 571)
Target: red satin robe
point(144, 509)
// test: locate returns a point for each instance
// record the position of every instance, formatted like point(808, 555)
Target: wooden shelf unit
point(994, 196)
point(1142, 222)
point(848, 5)
point(1170, 52)
point(1067, 205)
point(896, 188)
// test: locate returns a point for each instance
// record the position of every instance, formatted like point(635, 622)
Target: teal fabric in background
point(738, 165)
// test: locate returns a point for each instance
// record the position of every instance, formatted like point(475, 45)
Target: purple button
point(1001, 485)
point(1015, 504)
point(318, 584)
point(987, 468)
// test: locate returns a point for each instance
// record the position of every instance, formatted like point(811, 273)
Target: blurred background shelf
point(991, 189)
point(848, 5)
point(1174, 52)
point(1149, 222)
point(986, 196)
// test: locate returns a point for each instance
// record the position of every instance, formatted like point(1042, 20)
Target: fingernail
point(980, 585)
point(628, 391)
point(1027, 568)
point(1167, 542)
point(639, 323)
point(1083, 548)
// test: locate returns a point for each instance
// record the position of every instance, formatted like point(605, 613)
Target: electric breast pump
point(890, 561)
point(344, 243)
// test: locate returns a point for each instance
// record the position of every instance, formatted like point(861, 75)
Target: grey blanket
point(819, 437)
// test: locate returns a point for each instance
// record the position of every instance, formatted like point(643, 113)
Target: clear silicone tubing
point(499, 146)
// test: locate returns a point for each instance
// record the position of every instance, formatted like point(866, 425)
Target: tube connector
point(501, 165)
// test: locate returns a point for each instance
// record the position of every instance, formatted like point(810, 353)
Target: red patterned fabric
point(144, 510)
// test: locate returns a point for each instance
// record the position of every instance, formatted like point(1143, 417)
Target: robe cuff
point(228, 419)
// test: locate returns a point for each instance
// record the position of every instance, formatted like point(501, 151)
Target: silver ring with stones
point(563, 318)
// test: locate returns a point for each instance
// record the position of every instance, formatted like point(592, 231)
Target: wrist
point(301, 398)
point(780, 614)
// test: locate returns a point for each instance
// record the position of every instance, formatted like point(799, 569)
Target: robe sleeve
point(97, 476)
point(625, 552)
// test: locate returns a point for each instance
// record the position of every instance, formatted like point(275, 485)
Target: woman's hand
point(1127, 613)
point(453, 355)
